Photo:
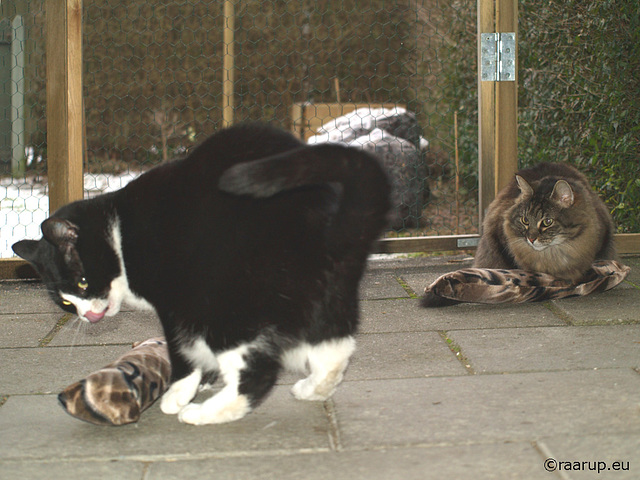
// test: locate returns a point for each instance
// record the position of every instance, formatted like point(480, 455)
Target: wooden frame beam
point(497, 109)
point(64, 101)
point(626, 243)
point(228, 60)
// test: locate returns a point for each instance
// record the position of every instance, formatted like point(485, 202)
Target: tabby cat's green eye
point(524, 220)
point(66, 302)
point(547, 222)
point(83, 284)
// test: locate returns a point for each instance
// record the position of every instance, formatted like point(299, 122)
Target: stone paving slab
point(25, 297)
point(493, 461)
point(402, 355)
point(396, 355)
point(490, 461)
point(381, 286)
point(44, 370)
point(408, 316)
point(124, 328)
point(608, 308)
point(634, 275)
point(550, 348)
point(488, 408)
point(26, 330)
point(36, 427)
point(55, 470)
point(595, 449)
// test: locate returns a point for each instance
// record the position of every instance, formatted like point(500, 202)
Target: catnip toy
point(118, 393)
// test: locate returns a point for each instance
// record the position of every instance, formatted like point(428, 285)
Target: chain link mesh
point(153, 88)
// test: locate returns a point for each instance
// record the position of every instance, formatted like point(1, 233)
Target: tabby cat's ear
point(562, 194)
point(525, 188)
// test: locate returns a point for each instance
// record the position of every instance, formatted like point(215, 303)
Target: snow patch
point(24, 204)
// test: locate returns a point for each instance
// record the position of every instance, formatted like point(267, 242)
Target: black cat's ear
point(524, 186)
point(27, 249)
point(59, 232)
point(64, 235)
point(562, 194)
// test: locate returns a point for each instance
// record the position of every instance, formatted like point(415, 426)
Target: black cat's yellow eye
point(83, 284)
point(547, 222)
point(524, 220)
point(66, 302)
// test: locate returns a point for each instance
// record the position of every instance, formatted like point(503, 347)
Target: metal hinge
point(467, 242)
point(498, 57)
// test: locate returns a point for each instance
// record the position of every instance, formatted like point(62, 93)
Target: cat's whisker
point(77, 329)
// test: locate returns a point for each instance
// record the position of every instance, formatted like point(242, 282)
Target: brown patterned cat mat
point(486, 285)
point(118, 393)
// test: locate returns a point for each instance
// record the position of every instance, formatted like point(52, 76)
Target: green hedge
point(579, 83)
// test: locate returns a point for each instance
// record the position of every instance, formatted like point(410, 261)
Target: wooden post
point(64, 101)
point(486, 118)
point(228, 64)
point(497, 109)
point(506, 163)
point(18, 161)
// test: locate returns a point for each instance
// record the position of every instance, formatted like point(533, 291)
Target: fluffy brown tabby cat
point(548, 220)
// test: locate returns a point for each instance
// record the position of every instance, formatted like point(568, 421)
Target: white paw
point(212, 412)
point(172, 402)
point(307, 390)
point(192, 414)
point(180, 394)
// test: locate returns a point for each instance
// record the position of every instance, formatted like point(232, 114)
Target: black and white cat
point(250, 250)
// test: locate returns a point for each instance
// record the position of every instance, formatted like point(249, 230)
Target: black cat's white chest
point(120, 291)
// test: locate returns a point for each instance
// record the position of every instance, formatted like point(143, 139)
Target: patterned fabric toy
point(118, 393)
point(485, 285)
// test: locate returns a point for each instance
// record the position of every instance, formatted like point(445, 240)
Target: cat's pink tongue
point(94, 317)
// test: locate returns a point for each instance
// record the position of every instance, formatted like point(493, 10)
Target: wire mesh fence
point(366, 73)
point(397, 77)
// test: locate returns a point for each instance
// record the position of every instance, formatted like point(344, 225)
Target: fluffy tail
point(365, 190)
